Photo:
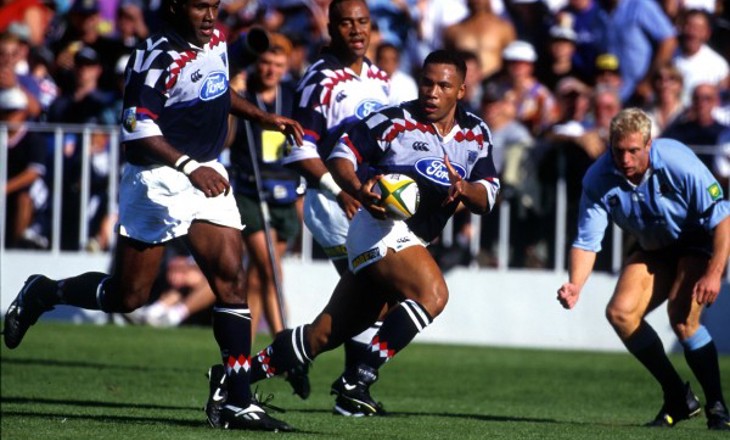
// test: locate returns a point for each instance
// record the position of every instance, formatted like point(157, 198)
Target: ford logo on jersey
point(366, 107)
point(434, 169)
point(215, 85)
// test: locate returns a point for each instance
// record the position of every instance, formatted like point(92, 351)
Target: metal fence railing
point(86, 154)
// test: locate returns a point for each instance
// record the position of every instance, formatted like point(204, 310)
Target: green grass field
point(89, 382)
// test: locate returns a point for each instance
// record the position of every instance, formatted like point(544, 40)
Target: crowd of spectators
point(546, 75)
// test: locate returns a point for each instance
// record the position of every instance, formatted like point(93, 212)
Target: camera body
point(247, 47)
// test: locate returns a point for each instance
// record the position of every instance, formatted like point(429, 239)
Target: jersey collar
point(331, 58)
point(178, 41)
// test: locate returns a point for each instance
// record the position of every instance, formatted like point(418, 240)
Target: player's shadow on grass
point(94, 404)
point(106, 418)
point(109, 418)
point(481, 417)
point(90, 365)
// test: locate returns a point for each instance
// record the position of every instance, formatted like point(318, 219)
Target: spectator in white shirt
point(698, 62)
point(402, 85)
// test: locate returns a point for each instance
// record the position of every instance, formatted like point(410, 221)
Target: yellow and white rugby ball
point(399, 195)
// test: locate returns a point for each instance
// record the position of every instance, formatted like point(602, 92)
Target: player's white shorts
point(368, 239)
point(327, 222)
point(159, 203)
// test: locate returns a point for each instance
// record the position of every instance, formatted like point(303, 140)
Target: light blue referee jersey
point(678, 200)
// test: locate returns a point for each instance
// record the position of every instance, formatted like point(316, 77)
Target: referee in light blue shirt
point(663, 195)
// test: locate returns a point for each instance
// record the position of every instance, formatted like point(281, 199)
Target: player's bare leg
point(352, 307)
point(136, 265)
point(413, 277)
point(218, 251)
point(699, 348)
point(644, 284)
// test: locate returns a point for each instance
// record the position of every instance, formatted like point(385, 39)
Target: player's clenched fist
point(568, 295)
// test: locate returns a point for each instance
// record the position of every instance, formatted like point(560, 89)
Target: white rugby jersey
point(397, 140)
point(180, 91)
point(331, 97)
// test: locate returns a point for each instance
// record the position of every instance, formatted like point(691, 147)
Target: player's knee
point(434, 301)
point(232, 296)
point(231, 288)
point(619, 317)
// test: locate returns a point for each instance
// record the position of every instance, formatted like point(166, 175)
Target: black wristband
point(182, 164)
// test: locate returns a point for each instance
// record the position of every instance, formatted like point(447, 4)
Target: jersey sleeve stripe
point(306, 95)
point(346, 140)
point(144, 113)
point(311, 136)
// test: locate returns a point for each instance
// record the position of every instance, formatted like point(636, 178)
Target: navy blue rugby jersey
point(397, 140)
point(330, 97)
point(180, 91)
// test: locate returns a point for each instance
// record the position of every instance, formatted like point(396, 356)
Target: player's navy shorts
point(697, 242)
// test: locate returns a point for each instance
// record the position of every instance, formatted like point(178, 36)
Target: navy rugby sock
point(646, 346)
point(85, 291)
point(701, 355)
point(357, 348)
point(399, 328)
point(289, 349)
point(232, 330)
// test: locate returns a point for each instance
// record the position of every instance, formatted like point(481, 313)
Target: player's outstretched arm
point(707, 288)
point(581, 266)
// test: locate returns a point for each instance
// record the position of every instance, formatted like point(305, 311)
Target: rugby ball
point(399, 195)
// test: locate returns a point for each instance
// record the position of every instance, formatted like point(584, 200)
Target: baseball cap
point(85, 7)
point(86, 56)
point(13, 99)
point(20, 31)
point(519, 51)
point(607, 61)
point(563, 33)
